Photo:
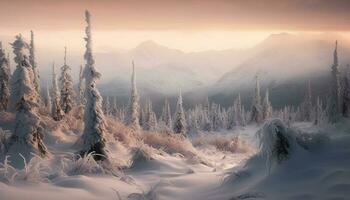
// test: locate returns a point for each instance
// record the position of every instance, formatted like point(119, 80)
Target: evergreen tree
point(93, 137)
point(48, 103)
point(267, 108)
point(307, 104)
point(318, 112)
point(56, 110)
point(81, 99)
point(346, 93)
point(238, 114)
point(106, 106)
point(151, 119)
point(132, 118)
point(334, 103)
point(256, 112)
point(27, 137)
point(33, 63)
point(114, 107)
point(4, 80)
point(179, 125)
point(166, 114)
point(66, 85)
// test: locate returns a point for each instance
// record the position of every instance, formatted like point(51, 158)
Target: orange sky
point(188, 25)
point(297, 15)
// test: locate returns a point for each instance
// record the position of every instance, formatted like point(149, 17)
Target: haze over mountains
point(280, 60)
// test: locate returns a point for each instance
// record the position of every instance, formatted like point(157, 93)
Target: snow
point(316, 168)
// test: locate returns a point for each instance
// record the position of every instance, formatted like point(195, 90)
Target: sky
point(188, 25)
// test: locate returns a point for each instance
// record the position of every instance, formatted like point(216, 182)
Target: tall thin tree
point(179, 125)
point(93, 138)
point(66, 85)
point(334, 103)
point(132, 117)
point(4, 80)
point(33, 63)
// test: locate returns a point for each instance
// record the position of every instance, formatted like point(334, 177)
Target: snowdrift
point(293, 163)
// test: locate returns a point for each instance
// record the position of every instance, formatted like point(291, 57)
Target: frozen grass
point(169, 143)
point(228, 143)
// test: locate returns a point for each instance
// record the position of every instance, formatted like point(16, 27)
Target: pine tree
point(307, 104)
point(27, 137)
point(33, 63)
point(106, 106)
point(114, 107)
point(267, 108)
point(93, 137)
point(48, 101)
point(150, 118)
point(66, 85)
point(132, 118)
point(56, 110)
point(239, 111)
point(256, 113)
point(179, 126)
point(207, 125)
point(346, 93)
point(166, 114)
point(4, 80)
point(334, 103)
point(318, 112)
point(81, 99)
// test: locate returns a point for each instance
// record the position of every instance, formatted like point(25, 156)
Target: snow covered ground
point(318, 170)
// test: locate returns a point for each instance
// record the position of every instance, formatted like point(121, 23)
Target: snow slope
point(316, 168)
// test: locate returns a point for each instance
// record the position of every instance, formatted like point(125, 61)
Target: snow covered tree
point(179, 125)
point(27, 137)
point(56, 110)
point(81, 98)
point(266, 107)
point(33, 63)
point(238, 105)
point(106, 106)
point(166, 114)
point(307, 104)
point(21, 50)
point(48, 101)
point(114, 107)
point(318, 112)
point(66, 85)
point(334, 104)
point(4, 80)
point(132, 117)
point(151, 118)
point(93, 138)
point(346, 93)
point(256, 112)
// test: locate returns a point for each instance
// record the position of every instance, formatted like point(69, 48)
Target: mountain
point(283, 61)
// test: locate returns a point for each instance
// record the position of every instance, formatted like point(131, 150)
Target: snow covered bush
point(275, 141)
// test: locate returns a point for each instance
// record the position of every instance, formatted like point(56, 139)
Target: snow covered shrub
point(170, 143)
point(84, 165)
point(275, 141)
point(35, 170)
point(229, 143)
point(140, 154)
point(121, 132)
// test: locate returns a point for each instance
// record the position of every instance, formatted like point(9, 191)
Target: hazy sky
point(190, 25)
